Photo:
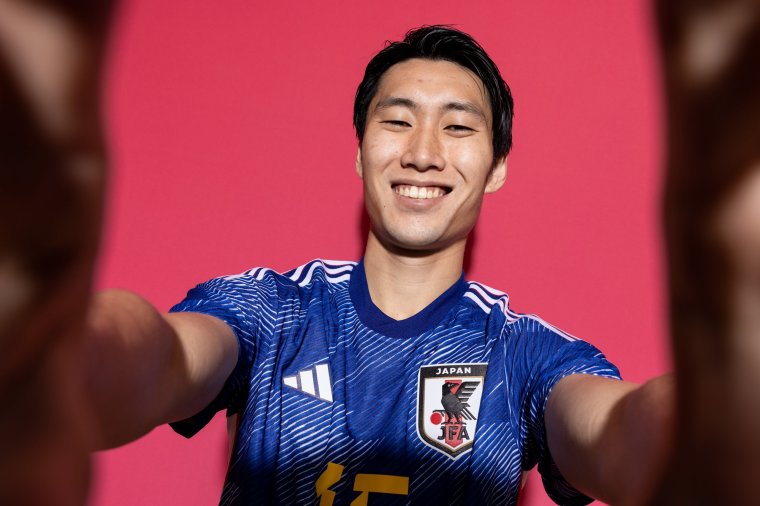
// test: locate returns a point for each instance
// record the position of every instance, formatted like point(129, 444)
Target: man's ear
point(497, 176)
point(359, 166)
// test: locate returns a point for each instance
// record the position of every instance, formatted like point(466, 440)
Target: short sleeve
point(237, 301)
point(553, 356)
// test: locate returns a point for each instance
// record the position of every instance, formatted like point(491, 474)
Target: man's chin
point(418, 244)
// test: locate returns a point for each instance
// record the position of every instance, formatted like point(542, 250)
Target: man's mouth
point(421, 192)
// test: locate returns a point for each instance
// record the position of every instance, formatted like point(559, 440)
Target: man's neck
point(401, 284)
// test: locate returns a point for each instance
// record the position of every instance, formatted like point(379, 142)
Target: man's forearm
point(637, 441)
point(145, 368)
point(130, 354)
point(611, 439)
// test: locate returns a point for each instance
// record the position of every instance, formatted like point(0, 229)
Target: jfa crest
point(448, 404)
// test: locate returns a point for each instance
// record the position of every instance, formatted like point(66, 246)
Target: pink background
point(232, 147)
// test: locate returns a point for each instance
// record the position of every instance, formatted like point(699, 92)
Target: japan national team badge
point(448, 405)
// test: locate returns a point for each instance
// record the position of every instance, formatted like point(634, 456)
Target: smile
point(420, 192)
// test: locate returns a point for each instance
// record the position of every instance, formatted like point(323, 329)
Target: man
point(392, 379)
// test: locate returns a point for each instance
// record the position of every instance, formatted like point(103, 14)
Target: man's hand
point(712, 223)
point(51, 186)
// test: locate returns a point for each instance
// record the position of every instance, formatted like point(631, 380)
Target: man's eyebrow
point(468, 107)
point(396, 101)
point(463, 106)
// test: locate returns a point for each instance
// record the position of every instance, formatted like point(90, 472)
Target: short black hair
point(441, 42)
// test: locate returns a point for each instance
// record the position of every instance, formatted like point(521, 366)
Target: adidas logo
point(314, 381)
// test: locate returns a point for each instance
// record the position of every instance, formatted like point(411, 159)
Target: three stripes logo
point(314, 381)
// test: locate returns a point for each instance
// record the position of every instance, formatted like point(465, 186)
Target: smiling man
point(394, 379)
point(391, 380)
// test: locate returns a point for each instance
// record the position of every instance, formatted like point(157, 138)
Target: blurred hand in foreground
point(51, 192)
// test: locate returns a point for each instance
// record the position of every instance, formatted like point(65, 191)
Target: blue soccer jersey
point(340, 404)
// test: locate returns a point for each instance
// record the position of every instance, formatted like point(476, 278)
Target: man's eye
point(459, 128)
point(396, 123)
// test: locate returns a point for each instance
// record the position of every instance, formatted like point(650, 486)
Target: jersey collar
point(415, 325)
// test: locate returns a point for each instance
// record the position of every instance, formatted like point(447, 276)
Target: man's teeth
point(420, 192)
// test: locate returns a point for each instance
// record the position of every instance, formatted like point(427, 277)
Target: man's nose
point(423, 151)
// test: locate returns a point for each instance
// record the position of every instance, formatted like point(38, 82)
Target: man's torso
point(336, 402)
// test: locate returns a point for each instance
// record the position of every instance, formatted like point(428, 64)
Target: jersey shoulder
point(332, 273)
point(259, 294)
point(490, 299)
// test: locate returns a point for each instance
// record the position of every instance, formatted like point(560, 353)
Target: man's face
point(427, 155)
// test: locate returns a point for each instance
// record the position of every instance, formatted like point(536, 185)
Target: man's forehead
point(422, 80)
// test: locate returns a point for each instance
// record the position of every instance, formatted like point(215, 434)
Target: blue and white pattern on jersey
point(315, 329)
